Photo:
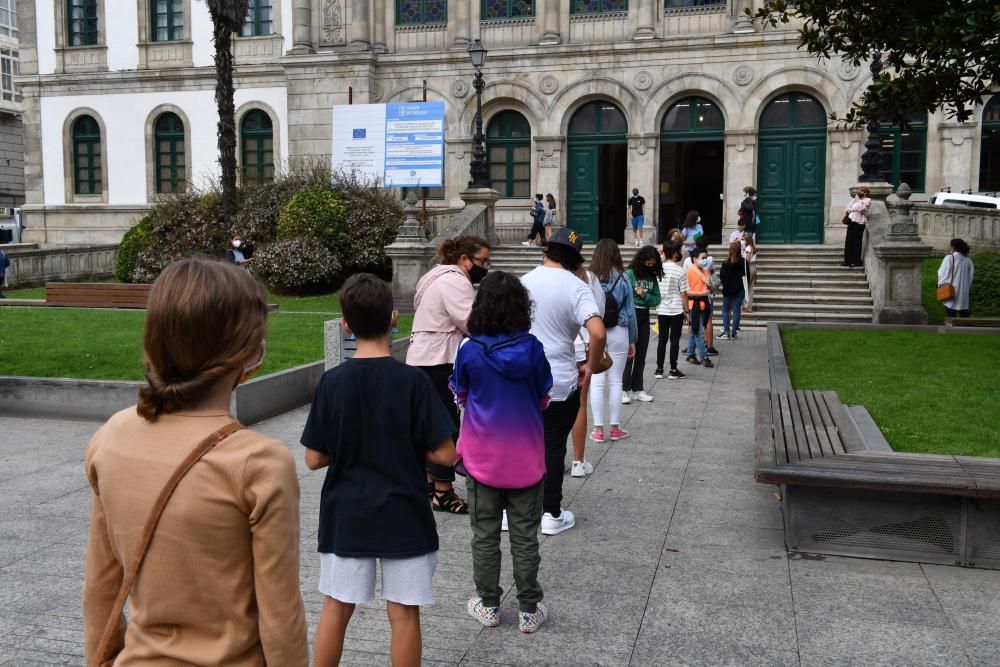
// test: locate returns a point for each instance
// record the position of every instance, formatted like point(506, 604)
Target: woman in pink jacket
point(442, 307)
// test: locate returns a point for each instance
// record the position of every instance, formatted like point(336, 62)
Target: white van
point(959, 199)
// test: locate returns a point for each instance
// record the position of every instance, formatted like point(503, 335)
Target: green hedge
point(136, 239)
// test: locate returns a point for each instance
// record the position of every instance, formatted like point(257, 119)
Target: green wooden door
point(790, 181)
point(582, 199)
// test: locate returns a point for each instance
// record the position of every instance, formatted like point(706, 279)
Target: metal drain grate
point(984, 533)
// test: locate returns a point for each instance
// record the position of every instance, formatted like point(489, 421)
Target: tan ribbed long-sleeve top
point(220, 582)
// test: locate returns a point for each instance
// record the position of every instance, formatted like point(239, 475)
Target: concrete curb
point(60, 398)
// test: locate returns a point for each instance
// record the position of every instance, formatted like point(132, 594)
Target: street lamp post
point(871, 160)
point(479, 169)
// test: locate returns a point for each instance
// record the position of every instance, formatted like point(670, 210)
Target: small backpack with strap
point(611, 305)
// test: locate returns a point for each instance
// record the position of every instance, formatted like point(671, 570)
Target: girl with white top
point(750, 255)
point(957, 269)
point(672, 311)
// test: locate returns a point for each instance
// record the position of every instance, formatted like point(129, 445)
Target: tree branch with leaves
point(938, 53)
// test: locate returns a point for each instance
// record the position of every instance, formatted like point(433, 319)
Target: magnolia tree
point(227, 19)
point(938, 53)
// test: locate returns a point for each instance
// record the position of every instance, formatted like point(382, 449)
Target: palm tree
point(227, 18)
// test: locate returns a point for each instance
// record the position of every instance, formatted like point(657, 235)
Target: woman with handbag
point(955, 279)
point(581, 466)
point(194, 519)
point(856, 217)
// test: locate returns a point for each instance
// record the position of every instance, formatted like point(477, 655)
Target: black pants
point(636, 366)
point(439, 376)
point(537, 229)
point(951, 312)
point(674, 324)
point(558, 421)
point(852, 244)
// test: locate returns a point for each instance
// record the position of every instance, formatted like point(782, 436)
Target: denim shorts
point(637, 222)
point(406, 581)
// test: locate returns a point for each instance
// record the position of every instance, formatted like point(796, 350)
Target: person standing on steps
point(619, 318)
point(748, 211)
point(442, 305)
point(643, 275)
point(637, 213)
point(551, 220)
point(749, 250)
point(857, 217)
point(692, 230)
point(537, 214)
point(562, 304)
point(672, 311)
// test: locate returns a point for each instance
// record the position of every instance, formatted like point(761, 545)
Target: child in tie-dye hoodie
point(502, 381)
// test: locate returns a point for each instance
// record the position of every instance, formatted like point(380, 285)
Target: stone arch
point(150, 136)
point(579, 93)
point(68, 148)
point(503, 95)
point(676, 88)
point(808, 80)
point(276, 138)
point(415, 93)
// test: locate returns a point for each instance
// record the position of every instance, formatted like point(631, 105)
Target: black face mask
point(477, 273)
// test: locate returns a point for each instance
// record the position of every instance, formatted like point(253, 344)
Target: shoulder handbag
point(946, 292)
point(106, 651)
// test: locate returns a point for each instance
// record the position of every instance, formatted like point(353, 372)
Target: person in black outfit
point(637, 213)
point(537, 222)
point(748, 211)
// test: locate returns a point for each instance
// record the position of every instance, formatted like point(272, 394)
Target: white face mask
point(699, 218)
point(753, 198)
point(249, 371)
point(237, 243)
point(704, 262)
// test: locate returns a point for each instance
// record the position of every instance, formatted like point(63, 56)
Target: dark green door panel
point(791, 177)
point(582, 199)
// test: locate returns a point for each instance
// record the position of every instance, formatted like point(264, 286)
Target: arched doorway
point(597, 172)
point(692, 152)
point(791, 170)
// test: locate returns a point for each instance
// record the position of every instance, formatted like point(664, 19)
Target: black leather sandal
point(447, 501)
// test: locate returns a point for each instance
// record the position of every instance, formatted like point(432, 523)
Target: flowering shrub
point(296, 266)
point(315, 212)
point(182, 225)
point(136, 239)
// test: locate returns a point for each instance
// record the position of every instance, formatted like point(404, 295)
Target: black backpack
point(611, 305)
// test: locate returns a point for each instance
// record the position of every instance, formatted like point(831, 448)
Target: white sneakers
point(553, 526)
point(581, 469)
point(629, 396)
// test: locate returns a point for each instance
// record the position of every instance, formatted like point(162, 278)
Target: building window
point(904, 152)
point(168, 20)
point(508, 145)
point(421, 12)
point(8, 18)
point(598, 6)
point(257, 140)
point(10, 66)
point(989, 147)
point(260, 14)
point(507, 9)
point(168, 134)
point(82, 19)
point(693, 116)
point(87, 177)
point(686, 4)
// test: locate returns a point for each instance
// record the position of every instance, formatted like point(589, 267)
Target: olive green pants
point(524, 514)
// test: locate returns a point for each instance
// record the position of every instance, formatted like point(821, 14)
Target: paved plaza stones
point(677, 557)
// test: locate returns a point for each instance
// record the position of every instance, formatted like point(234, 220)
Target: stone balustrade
point(979, 227)
point(33, 266)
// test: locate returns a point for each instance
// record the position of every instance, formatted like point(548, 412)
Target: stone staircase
point(795, 283)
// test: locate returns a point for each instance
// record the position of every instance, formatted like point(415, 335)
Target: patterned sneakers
point(488, 616)
point(528, 623)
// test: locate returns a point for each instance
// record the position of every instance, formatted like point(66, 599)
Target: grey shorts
point(404, 580)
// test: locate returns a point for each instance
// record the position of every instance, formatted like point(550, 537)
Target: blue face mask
point(704, 263)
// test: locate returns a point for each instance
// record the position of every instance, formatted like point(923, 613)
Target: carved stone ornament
point(743, 75)
point(642, 80)
point(848, 71)
point(333, 22)
point(459, 88)
point(376, 92)
point(548, 84)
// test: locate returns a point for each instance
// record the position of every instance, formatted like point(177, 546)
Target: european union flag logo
point(360, 133)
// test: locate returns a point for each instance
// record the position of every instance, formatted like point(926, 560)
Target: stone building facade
point(685, 100)
point(11, 132)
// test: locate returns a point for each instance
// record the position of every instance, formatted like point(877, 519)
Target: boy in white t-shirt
point(562, 304)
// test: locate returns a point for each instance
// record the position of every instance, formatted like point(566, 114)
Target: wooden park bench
point(972, 321)
point(97, 295)
point(844, 496)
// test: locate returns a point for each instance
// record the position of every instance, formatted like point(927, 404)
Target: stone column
point(642, 175)
point(743, 23)
point(958, 142)
point(844, 157)
point(741, 150)
point(546, 171)
point(379, 44)
point(412, 256)
point(302, 27)
point(360, 25)
point(552, 34)
point(463, 23)
point(894, 257)
point(488, 197)
point(646, 28)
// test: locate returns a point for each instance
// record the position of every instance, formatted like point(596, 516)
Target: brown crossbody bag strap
point(105, 651)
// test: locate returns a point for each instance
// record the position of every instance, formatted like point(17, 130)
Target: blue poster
point(414, 144)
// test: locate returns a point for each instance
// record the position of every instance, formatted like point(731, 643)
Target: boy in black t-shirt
point(375, 421)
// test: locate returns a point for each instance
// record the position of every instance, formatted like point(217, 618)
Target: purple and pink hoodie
point(503, 384)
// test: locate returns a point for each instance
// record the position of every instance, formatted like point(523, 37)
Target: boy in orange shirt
point(697, 276)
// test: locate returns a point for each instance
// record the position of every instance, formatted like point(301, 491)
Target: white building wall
point(201, 35)
point(287, 24)
point(122, 33)
point(46, 36)
point(125, 117)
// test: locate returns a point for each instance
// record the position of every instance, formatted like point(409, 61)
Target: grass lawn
point(107, 344)
point(29, 293)
point(928, 392)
